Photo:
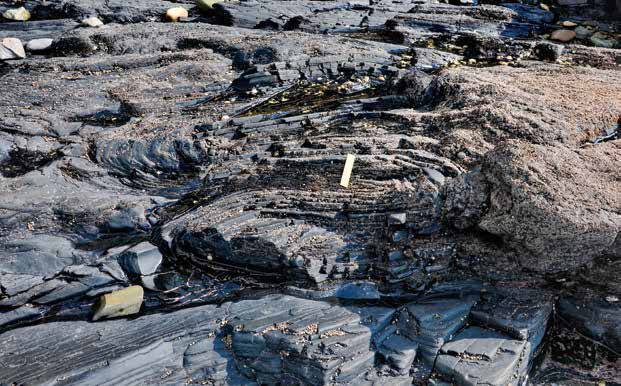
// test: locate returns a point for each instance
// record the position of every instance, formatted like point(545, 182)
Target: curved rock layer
point(476, 242)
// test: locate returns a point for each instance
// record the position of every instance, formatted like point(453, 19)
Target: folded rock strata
point(201, 160)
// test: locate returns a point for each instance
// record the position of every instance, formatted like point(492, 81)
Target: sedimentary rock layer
point(476, 242)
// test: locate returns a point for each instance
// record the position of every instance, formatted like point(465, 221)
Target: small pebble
point(39, 44)
point(563, 35)
point(582, 32)
point(397, 218)
point(600, 40)
point(17, 14)
point(174, 14)
point(568, 24)
point(92, 22)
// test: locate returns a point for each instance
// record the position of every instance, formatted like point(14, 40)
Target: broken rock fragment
point(142, 259)
point(477, 356)
point(521, 313)
point(291, 340)
point(11, 48)
point(119, 303)
point(432, 323)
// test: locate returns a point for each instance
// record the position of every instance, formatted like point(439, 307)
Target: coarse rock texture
point(189, 173)
point(537, 103)
point(558, 207)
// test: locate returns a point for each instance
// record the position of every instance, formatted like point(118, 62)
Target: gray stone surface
point(482, 357)
point(141, 259)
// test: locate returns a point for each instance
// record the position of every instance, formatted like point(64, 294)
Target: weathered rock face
point(171, 209)
point(532, 103)
point(558, 207)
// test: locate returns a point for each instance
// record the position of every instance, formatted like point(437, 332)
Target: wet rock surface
point(171, 209)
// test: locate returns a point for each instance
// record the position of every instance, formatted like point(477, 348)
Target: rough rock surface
point(559, 208)
point(478, 241)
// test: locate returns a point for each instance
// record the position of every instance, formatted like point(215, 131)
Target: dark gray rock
point(322, 343)
point(199, 341)
point(398, 352)
point(148, 347)
point(434, 20)
point(432, 323)
point(548, 51)
point(597, 318)
point(483, 357)
point(521, 313)
point(141, 259)
point(37, 29)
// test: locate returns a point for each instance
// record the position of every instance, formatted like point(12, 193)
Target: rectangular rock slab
point(478, 356)
point(120, 303)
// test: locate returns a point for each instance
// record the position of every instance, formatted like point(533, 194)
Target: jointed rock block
point(119, 303)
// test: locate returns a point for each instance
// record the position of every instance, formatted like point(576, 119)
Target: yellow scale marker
point(349, 165)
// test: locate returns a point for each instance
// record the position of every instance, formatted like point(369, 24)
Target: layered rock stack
point(309, 192)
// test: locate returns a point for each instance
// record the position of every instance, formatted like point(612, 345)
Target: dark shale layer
point(478, 241)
